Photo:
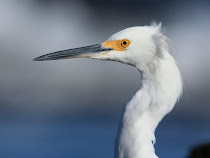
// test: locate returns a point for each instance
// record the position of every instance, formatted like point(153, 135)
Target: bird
point(147, 49)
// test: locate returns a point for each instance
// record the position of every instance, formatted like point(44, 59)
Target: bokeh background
point(71, 108)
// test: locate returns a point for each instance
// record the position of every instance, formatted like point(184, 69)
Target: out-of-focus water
point(49, 89)
point(84, 139)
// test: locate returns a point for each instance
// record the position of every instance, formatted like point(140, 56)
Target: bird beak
point(82, 52)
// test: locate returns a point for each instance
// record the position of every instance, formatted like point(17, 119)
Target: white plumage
point(161, 84)
point(161, 87)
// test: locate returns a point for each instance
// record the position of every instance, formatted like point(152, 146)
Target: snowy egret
point(145, 48)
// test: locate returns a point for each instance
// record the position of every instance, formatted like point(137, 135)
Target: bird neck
point(161, 86)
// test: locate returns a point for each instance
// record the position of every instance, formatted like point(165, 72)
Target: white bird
point(147, 49)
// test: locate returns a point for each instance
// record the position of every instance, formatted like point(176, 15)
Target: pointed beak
point(82, 52)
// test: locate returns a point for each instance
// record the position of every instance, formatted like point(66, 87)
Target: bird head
point(133, 46)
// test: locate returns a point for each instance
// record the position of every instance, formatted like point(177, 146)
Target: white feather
point(160, 89)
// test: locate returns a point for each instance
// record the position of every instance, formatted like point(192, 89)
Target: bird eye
point(124, 43)
point(118, 45)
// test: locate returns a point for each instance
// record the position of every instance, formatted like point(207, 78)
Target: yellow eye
point(119, 45)
point(124, 43)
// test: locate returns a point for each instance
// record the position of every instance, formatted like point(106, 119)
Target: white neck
point(160, 89)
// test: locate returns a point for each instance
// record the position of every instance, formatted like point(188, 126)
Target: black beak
point(82, 52)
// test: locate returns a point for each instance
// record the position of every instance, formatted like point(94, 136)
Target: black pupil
point(124, 42)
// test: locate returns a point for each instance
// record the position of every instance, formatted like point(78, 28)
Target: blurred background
point(71, 108)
